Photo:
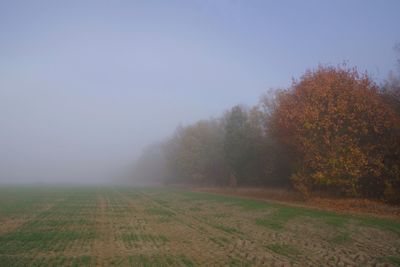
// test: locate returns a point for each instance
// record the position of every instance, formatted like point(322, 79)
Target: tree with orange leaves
point(342, 133)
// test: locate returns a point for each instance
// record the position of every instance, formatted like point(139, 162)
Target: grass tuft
point(160, 212)
point(285, 250)
point(394, 260)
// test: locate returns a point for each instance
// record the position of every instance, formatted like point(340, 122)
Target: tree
point(236, 142)
point(195, 154)
point(277, 159)
point(390, 89)
point(340, 131)
point(150, 167)
point(390, 92)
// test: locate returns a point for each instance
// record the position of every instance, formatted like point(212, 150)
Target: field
point(107, 226)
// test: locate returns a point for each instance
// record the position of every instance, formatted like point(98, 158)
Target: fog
point(85, 86)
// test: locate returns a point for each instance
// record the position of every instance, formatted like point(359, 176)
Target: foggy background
point(86, 85)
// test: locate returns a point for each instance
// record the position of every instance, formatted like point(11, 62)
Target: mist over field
point(199, 133)
point(86, 86)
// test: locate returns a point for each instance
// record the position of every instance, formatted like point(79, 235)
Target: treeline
point(334, 130)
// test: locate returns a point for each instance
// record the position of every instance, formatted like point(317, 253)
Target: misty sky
point(85, 85)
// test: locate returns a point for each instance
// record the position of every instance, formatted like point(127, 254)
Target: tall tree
point(236, 142)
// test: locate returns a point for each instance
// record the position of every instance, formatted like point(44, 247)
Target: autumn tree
point(341, 133)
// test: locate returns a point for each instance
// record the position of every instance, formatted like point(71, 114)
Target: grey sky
point(85, 85)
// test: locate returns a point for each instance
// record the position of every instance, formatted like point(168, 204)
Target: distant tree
point(172, 151)
point(150, 167)
point(266, 163)
point(390, 91)
point(340, 131)
point(236, 143)
point(256, 167)
point(397, 49)
point(390, 88)
point(277, 159)
point(195, 154)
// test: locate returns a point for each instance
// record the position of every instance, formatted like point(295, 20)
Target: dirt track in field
point(148, 227)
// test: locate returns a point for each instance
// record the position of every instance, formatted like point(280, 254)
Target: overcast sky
point(85, 85)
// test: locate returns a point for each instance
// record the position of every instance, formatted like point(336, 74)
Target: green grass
point(186, 261)
point(285, 250)
point(383, 224)
point(272, 224)
point(195, 209)
point(46, 236)
point(20, 261)
point(54, 222)
point(283, 214)
point(394, 260)
point(160, 212)
point(221, 241)
point(160, 260)
point(134, 238)
point(227, 229)
point(247, 204)
point(26, 239)
point(238, 263)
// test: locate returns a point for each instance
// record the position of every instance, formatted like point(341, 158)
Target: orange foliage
point(342, 133)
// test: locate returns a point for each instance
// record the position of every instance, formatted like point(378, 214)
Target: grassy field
point(165, 227)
